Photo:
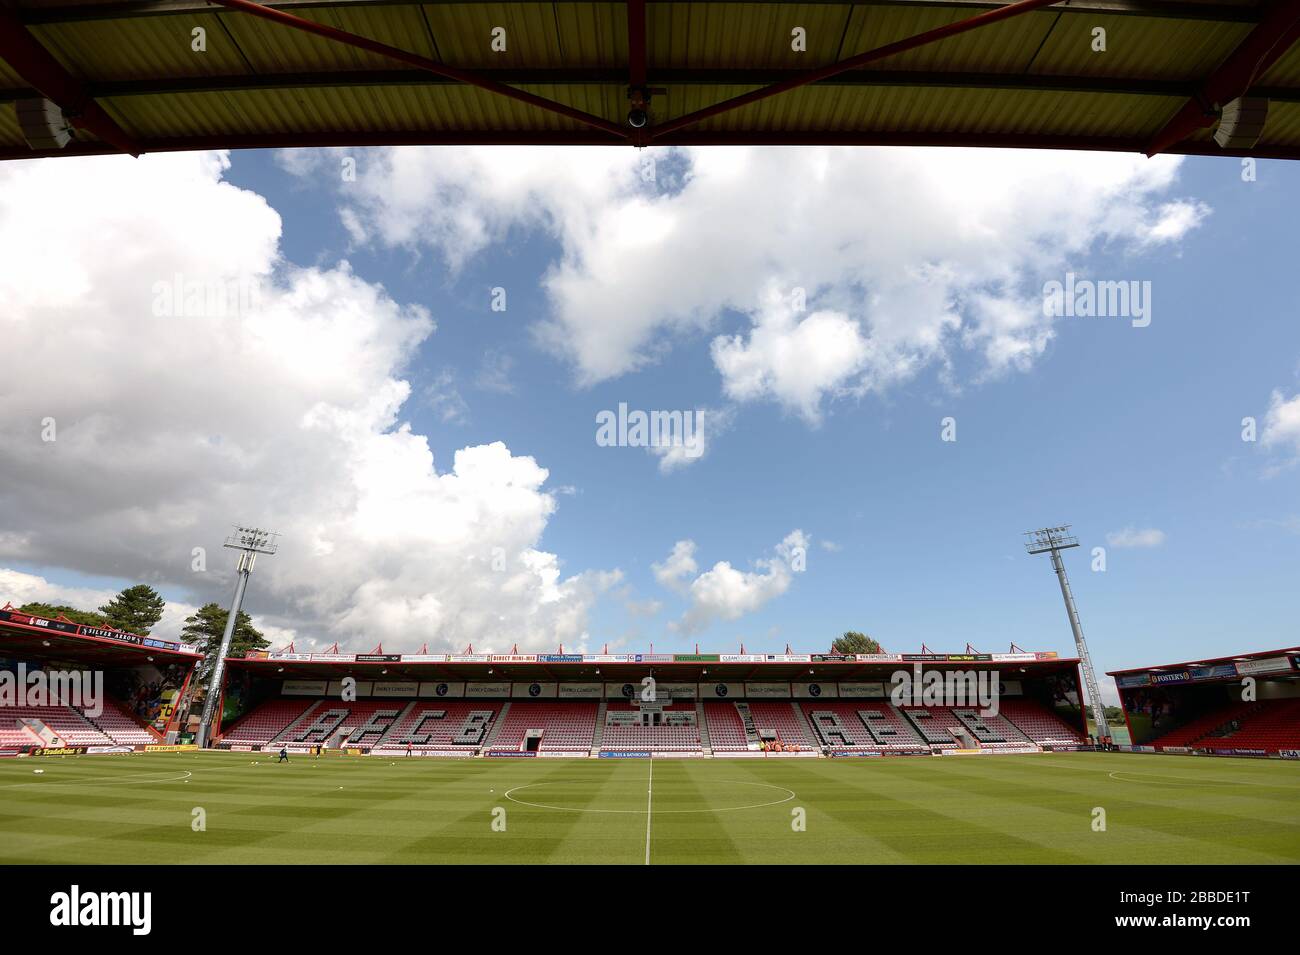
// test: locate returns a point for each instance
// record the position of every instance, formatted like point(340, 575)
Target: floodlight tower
point(1053, 540)
point(249, 541)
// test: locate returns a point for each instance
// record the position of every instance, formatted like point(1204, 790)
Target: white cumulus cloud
point(1282, 423)
point(1136, 537)
point(725, 593)
point(907, 258)
point(284, 408)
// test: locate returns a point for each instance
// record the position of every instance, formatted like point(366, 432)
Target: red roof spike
point(8, 606)
point(742, 648)
point(514, 649)
point(787, 648)
point(424, 647)
point(469, 648)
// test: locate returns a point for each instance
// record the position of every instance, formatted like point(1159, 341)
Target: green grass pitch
point(336, 809)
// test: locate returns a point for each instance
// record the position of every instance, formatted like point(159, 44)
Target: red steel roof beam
point(1274, 35)
point(39, 69)
point(636, 63)
point(853, 62)
point(636, 43)
point(420, 62)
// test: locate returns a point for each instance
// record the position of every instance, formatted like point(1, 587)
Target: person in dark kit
point(284, 755)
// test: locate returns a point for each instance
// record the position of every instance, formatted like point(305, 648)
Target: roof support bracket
point(38, 67)
point(412, 59)
point(853, 62)
point(1276, 33)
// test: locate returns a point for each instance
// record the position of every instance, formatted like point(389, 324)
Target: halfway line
point(649, 795)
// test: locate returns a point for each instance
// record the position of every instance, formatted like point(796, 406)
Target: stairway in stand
point(599, 735)
point(703, 726)
point(494, 728)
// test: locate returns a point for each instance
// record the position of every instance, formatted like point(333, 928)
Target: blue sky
point(909, 538)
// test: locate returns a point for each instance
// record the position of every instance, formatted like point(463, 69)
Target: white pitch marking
point(1180, 779)
point(789, 795)
point(649, 795)
point(110, 780)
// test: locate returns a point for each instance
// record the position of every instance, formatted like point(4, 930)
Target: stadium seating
point(623, 737)
point(1271, 726)
point(991, 732)
point(117, 723)
point(74, 726)
point(1266, 725)
point(317, 726)
point(441, 724)
point(1039, 723)
point(1203, 725)
point(934, 724)
point(566, 727)
point(867, 725)
point(726, 731)
point(779, 718)
point(267, 721)
point(71, 726)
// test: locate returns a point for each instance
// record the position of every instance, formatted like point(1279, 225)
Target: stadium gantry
point(1215, 77)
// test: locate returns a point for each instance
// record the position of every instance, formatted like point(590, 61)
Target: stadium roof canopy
point(1266, 656)
point(26, 636)
point(906, 72)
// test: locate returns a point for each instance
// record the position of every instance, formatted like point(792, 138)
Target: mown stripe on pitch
point(678, 838)
point(1047, 815)
point(1174, 832)
point(768, 836)
point(531, 835)
point(912, 825)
